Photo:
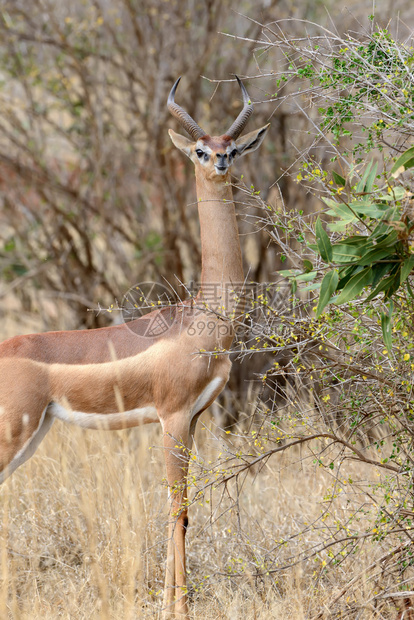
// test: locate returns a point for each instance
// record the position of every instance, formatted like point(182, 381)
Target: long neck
point(221, 260)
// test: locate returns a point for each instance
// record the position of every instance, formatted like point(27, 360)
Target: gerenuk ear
point(251, 141)
point(181, 142)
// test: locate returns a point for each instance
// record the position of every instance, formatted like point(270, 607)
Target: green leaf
point(330, 202)
point(355, 285)
point(405, 161)
point(307, 265)
point(388, 240)
point(360, 188)
point(397, 192)
point(343, 213)
point(311, 287)
point(328, 287)
point(344, 253)
point(384, 285)
point(409, 289)
point(386, 328)
point(322, 239)
point(406, 268)
point(369, 181)
point(358, 239)
point(339, 209)
point(346, 275)
point(380, 270)
point(306, 277)
point(377, 254)
point(394, 285)
point(380, 232)
point(400, 192)
point(338, 179)
point(370, 209)
point(289, 273)
point(339, 226)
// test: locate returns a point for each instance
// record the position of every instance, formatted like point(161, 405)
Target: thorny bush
point(338, 388)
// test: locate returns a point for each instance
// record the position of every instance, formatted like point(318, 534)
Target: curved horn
point(241, 121)
point(182, 116)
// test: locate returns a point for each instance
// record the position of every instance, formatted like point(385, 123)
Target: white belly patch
point(105, 421)
point(207, 394)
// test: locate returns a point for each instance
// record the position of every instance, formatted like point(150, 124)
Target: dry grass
point(83, 535)
point(83, 523)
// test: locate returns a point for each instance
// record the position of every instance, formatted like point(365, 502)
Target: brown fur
point(118, 369)
point(217, 143)
point(24, 389)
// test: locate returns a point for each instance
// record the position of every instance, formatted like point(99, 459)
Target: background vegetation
point(304, 507)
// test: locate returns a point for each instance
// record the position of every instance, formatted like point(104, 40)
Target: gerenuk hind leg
point(24, 420)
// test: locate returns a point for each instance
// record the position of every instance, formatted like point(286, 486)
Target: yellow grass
point(83, 528)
